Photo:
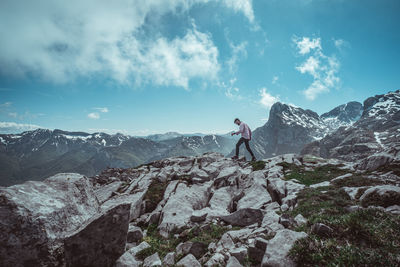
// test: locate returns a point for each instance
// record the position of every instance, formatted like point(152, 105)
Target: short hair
point(236, 119)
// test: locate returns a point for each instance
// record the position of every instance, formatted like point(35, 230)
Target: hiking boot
point(235, 157)
point(253, 159)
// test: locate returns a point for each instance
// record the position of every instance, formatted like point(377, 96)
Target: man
point(245, 131)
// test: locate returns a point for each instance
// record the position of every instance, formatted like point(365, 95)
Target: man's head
point(236, 121)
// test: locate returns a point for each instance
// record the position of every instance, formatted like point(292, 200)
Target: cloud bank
point(322, 68)
point(60, 41)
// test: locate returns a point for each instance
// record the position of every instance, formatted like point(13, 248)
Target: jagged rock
point(271, 221)
point(374, 161)
point(198, 216)
point(153, 260)
point(286, 220)
point(381, 195)
point(239, 253)
point(322, 184)
point(169, 259)
point(105, 192)
point(244, 217)
point(395, 209)
point(195, 248)
point(225, 243)
point(321, 229)
point(217, 259)
point(135, 234)
point(188, 199)
point(35, 218)
point(127, 260)
point(278, 248)
point(135, 200)
point(101, 242)
point(284, 207)
point(255, 192)
point(354, 191)
point(255, 254)
point(189, 261)
point(261, 243)
point(299, 219)
point(233, 262)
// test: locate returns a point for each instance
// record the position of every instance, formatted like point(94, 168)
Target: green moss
point(365, 237)
point(154, 194)
point(257, 165)
point(317, 175)
point(205, 234)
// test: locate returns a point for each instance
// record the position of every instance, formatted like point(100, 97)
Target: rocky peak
point(346, 113)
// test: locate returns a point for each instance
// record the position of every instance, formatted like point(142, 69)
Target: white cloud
point(244, 6)
point(267, 100)
point(13, 128)
point(94, 115)
point(275, 79)
point(322, 68)
point(5, 105)
point(305, 44)
point(311, 66)
point(60, 41)
point(103, 110)
point(238, 51)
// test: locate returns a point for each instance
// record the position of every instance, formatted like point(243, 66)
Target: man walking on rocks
point(245, 131)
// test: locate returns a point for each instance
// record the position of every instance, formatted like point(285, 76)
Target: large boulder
point(278, 248)
point(381, 195)
point(35, 218)
point(100, 242)
point(244, 217)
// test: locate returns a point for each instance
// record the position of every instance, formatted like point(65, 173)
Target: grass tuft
point(257, 165)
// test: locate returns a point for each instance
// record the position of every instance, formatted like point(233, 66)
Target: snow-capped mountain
point(290, 128)
point(343, 115)
point(375, 134)
point(40, 153)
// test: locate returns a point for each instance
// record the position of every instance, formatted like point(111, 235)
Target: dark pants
point(246, 142)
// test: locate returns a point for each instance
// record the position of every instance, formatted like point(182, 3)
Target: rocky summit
point(198, 211)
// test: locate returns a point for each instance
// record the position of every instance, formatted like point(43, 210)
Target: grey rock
point(169, 259)
point(239, 253)
point(35, 217)
point(381, 195)
point(395, 209)
point(153, 260)
point(135, 234)
point(321, 229)
point(233, 262)
point(255, 254)
point(299, 219)
point(244, 217)
point(279, 246)
point(198, 216)
point(217, 259)
point(286, 220)
point(101, 242)
point(261, 243)
point(189, 261)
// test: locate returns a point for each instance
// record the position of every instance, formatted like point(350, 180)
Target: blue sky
point(143, 67)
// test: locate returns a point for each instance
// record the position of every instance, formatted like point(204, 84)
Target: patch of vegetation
point(317, 175)
point(357, 181)
point(154, 194)
point(365, 237)
point(205, 234)
point(257, 165)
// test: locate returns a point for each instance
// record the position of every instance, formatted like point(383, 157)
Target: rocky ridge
point(204, 211)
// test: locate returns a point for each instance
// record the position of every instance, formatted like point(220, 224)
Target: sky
point(143, 67)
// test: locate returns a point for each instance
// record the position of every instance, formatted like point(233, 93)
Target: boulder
point(169, 259)
point(244, 217)
point(278, 248)
point(35, 218)
point(255, 254)
point(299, 219)
point(105, 192)
point(321, 229)
point(101, 241)
point(189, 261)
point(198, 216)
point(381, 195)
point(233, 262)
point(135, 234)
point(239, 253)
point(217, 259)
point(153, 260)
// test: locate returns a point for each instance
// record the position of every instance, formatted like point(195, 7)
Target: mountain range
point(350, 131)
